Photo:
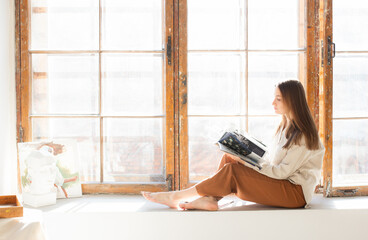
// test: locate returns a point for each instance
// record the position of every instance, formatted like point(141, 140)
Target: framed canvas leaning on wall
point(49, 170)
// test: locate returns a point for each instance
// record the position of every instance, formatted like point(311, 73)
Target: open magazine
point(244, 146)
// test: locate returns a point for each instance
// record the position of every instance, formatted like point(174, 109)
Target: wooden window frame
point(318, 85)
point(23, 62)
point(326, 103)
point(307, 61)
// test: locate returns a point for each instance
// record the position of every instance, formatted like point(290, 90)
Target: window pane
point(350, 152)
point(216, 24)
point(64, 25)
point(350, 85)
point(132, 84)
point(265, 71)
point(216, 83)
point(65, 84)
point(350, 21)
point(85, 131)
point(275, 24)
point(204, 155)
point(132, 25)
point(133, 150)
point(263, 128)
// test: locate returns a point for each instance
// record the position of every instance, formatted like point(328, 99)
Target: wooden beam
point(18, 82)
point(40, 75)
point(325, 94)
point(349, 191)
point(176, 95)
point(122, 188)
point(312, 73)
point(24, 89)
point(182, 98)
point(22, 76)
point(38, 10)
point(169, 129)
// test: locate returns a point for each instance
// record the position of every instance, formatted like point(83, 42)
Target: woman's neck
point(288, 121)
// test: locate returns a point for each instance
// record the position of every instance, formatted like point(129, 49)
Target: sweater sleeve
point(293, 160)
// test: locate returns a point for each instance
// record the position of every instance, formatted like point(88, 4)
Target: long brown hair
point(301, 121)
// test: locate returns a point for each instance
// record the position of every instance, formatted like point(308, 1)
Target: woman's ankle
point(185, 194)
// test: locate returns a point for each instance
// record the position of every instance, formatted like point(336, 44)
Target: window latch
point(168, 50)
point(331, 51)
point(169, 181)
point(21, 133)
point(347, 192)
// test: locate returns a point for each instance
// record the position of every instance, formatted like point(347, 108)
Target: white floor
point(132, 217)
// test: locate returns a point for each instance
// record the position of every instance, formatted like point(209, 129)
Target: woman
point(287, 179)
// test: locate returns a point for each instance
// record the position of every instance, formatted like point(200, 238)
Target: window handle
point(331, 50)
point(168, 50)
point(170, 181)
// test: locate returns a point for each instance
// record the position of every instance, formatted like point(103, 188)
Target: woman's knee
point(229, 158)
point(223, 160)
point(231, 167)
point(238, 169)
point(225, 157)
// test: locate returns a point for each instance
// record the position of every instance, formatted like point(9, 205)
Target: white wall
point(8, 155)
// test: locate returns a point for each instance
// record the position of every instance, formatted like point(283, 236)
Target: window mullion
point(246, 67)
point(100, 92)
point(325, 98)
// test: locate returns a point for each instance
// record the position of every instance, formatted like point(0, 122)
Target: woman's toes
point(184, 205)
point(146, 195)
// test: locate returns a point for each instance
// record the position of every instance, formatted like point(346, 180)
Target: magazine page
point(244, 146)
point(247, 159)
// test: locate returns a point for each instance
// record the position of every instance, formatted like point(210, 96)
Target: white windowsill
point(136, 203)
point(132, 217)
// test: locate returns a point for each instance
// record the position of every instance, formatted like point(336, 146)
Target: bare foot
point(166, 198)
point(203, 203)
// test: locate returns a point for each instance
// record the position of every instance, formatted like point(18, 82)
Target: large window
point(350, 93)
point(236, 53)
point(98, 76)
point(146, 87)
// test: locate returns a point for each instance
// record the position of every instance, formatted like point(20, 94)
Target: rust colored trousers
point(250, 185)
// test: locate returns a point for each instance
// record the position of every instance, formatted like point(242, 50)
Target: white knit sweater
point(297, 164)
